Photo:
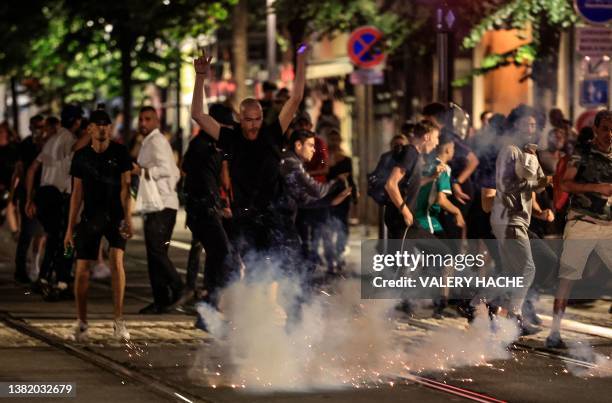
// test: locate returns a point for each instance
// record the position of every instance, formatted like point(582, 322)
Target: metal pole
point(442, 54)
point(15, 108)
point(572, 73)
point(271, 40)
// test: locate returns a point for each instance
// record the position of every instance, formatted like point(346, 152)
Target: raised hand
point(202, 64)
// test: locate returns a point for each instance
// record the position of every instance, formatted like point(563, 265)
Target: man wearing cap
point(101, 174)
point(51, 202)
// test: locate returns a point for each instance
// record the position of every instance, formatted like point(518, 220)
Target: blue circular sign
point(365, 47)
point(595, 11)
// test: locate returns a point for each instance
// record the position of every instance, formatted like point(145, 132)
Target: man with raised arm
point(255, 152)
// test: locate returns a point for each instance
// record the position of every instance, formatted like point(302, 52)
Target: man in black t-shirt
point(205, 210)
point(27, 151)
point(255, 157)
point(101, 176)
point(405, 179)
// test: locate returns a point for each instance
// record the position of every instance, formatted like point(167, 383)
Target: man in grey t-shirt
point(518, 176)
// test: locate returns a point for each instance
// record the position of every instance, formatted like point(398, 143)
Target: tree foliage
point(75, 52)
point(546, 18)
point(518, 14)
point(327, 17)
point(15, 21)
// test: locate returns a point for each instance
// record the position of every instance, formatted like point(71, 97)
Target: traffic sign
point(594, 41)
point(365, 47)
point(595, 11)
point(367, 76)
point(594, 92)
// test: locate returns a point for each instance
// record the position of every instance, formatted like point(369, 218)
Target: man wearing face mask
point(101, 175)
point(518, 176)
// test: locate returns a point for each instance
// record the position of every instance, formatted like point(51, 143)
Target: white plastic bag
point(148, 199)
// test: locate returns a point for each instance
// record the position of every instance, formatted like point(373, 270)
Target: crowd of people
point(259, 183)
point(448, 183)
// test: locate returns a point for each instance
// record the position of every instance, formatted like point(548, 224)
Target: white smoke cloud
point(600, 365)
point(339, 340)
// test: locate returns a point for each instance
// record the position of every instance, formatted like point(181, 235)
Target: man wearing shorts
point(101, 175)
point(589, 221)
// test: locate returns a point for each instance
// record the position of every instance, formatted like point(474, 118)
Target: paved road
point(169, 360)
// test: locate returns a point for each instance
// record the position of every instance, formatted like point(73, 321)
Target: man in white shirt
point(156, 161)
point(52, 200)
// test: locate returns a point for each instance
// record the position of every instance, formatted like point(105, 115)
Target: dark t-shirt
point(345, 165)
point(27, 151)
point(254, 165)
point(410, 160)
point(8, 158)
point(459, 161)
point(101, 176)
point(202, 166)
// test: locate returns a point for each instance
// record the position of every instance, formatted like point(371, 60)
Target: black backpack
point(378, 178)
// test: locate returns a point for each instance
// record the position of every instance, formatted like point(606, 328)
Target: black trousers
point(194, 262)
point(339, 222)
point(313, 226)
point(221, 264)
point(166, 283)
point(253, 230)
point(26, 232)
point(52, 208)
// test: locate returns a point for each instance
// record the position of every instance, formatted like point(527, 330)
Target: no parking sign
point(365, 47)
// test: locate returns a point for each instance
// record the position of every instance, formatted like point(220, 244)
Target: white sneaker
point(81, 332)
point(120, 331)
point(100, 271)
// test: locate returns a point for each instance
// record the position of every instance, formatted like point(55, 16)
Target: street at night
point(306, 201)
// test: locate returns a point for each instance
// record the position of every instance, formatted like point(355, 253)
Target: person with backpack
point(402, 185)
point(377, 179)
point(588, 178)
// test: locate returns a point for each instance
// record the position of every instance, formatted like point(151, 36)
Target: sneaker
point(555, 341)
point(201, 324)
point(187, 297)
point(405, 307)
point(438, 307)
point(65, 292)
point(120, 332)
point(100, 271)
point(39, 285)
point(153, 309)
point(529, 314)
point(466, 310)
point(81, 332)
point(526, 329)
point(50, 293)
